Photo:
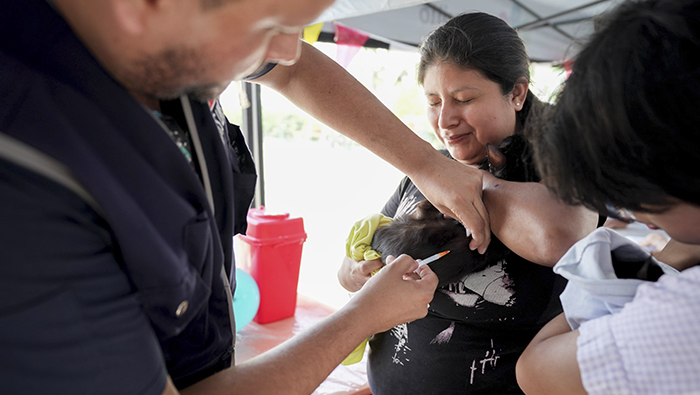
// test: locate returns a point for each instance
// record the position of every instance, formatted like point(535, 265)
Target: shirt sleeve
point(391, 206)
point(651, 347)
point(406, 188)
point(69, 321)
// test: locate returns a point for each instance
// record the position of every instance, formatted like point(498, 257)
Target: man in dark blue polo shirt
point(119, 195)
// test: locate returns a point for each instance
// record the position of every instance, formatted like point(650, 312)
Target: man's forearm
point(325, 90)
point(301, 363)
point(297, 366)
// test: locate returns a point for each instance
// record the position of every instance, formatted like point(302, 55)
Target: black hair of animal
point(627, 262)
point(427, 232)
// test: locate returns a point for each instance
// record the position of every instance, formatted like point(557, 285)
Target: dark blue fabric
point(70, 322)
point(167, 240)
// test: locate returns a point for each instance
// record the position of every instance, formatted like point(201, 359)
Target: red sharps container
point(275, 242)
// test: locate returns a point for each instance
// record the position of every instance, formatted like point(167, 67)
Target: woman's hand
point(353, 275)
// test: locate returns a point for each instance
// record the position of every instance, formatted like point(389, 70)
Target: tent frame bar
point(541, 22)
point(539, 18)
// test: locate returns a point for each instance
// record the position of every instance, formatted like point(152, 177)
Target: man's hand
point(456, 190)
point(394, 295)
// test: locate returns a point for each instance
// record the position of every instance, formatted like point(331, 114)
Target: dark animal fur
point(628, 263)
point(427, 231)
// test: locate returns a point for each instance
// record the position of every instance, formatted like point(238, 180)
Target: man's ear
point(520, 92)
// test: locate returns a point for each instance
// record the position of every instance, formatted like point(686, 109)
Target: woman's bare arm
point(548, 365)
point(532, 222)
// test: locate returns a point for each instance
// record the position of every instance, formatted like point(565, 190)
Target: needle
point(432, 258)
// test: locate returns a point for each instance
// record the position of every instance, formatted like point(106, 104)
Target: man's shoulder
point(68, 314)
point(16, 79)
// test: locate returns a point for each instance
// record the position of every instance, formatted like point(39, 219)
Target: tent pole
point(253, 132)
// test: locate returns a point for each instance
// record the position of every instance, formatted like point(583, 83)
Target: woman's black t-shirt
point(475, 329)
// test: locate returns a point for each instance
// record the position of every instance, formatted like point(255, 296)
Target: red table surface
point(256, 338)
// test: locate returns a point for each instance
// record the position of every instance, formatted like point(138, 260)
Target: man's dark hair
point(625, 130)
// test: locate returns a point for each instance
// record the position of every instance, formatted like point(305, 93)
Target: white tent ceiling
point(551, 29)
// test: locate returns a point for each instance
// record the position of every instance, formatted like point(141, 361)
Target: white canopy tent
point(551, 29)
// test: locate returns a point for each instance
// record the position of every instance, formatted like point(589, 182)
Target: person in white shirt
point(624, 136)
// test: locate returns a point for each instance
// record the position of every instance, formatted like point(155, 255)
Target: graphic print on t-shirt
point(407, 206)
point(217, 112)
point(489, 361)
point(444, 336)
point(400, 332)
point(491, 284)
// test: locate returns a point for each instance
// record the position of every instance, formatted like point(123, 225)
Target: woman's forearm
point(548, 365)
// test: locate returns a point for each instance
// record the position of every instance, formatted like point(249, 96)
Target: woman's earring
point(517, 104)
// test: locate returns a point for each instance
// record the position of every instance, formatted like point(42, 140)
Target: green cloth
point(358, 247)
point(356, 354)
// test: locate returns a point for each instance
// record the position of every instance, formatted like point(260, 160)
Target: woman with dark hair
point(475, 74)
point(624, 138)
